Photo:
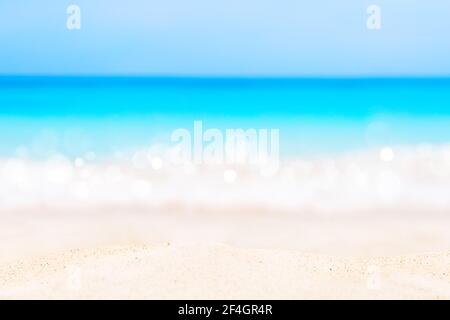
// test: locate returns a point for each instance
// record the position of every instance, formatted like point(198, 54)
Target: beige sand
point(223, 272)
point(235, 256)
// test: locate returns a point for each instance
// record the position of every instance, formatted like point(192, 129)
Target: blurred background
point(86, 115)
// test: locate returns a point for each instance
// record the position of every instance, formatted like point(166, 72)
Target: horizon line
point(230, 77)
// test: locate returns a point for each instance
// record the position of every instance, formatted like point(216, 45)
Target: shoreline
point(363, 225)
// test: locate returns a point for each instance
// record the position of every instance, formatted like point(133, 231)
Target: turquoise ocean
point(76, 115)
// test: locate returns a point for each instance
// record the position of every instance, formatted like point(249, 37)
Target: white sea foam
point(410, 179)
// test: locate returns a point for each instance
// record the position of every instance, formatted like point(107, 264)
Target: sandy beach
point(173, 256)
point(354, 226)
point(223, 272)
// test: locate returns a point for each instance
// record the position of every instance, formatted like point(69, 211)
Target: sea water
point(345, 144)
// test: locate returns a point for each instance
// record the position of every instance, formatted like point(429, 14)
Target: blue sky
point(225, 37)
